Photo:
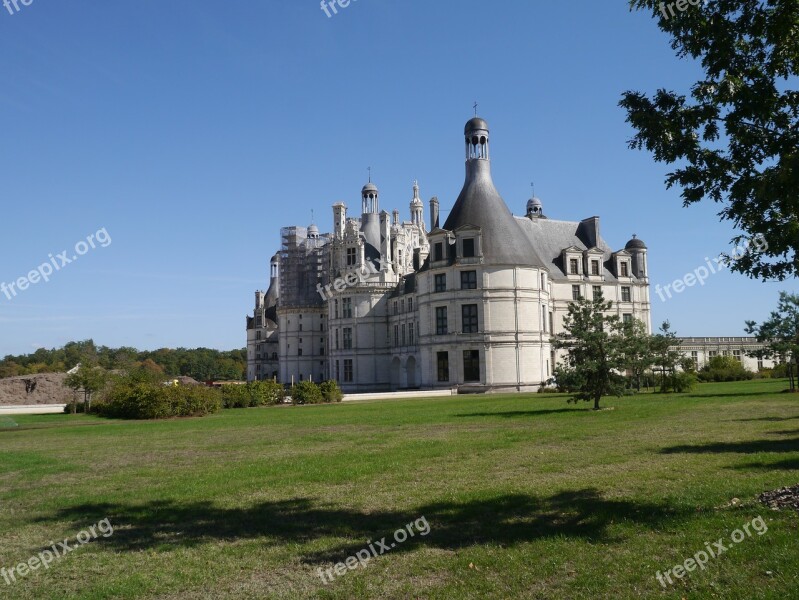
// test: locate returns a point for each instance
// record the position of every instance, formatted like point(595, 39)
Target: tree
point(88, 379)
point(637, 350)
point(667, 355)
point(595, 356)
point(736, 141)
point(780, 333)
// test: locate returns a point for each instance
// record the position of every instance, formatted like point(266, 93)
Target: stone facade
point(382, 304)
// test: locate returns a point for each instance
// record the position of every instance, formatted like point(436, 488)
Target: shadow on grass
point(768, 419)
point(699, 394)
point(503, 520)
point(752, 447)
point(512, 414)
point(791, 464)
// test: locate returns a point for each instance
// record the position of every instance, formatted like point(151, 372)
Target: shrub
point(256, 393)
point(724, 368)
point(265, 393)
point(307, 392)
point(127, 398)
point(680, 382)
point(331, 392)
point(235, 396)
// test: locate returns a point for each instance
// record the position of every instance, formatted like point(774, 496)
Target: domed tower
point(273, 294)
point(370, 198)
point(637, 248)
point(535, 208)
point(370, 219)
point(480, 205)
point(417, 206)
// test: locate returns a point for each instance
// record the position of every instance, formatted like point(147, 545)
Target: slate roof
point(479, 204)
point(551, 237)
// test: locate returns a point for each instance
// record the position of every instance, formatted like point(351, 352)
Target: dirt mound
point(45, 388)
point(782, 498)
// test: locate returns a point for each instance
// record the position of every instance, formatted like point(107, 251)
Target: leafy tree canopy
point(735, 139)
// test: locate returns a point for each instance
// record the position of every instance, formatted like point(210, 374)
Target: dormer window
point(595, 267)
point(625, 269)
point(468, 248)
point(438, 253)
point(574, 266)
point(351, 257)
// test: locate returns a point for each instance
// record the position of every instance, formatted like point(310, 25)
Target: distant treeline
point(202, 364)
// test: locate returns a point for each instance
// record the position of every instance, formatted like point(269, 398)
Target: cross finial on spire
point(370, 174)
point(475, 109)
point(635, 236)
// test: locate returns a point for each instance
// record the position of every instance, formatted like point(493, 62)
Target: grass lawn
point(526, 496)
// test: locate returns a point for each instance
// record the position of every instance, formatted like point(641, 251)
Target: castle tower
point(417, 206)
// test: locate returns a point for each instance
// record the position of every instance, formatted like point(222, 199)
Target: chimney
point(588, 231)
point(434, 213)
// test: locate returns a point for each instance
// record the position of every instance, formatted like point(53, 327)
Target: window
point(469, 314)
point(402, 305)
point(625, 269)
point(335, 305)
point(350, 257)
point(737, 355)
point(551, 322)
point(442, 360)
point(299, 352)
point(257, 335)
point(410, 304)
point(396, 335)
point(471, 365)
point(625, 294)
point(544, 318)
point(348, 338)
point(575, 292)
point(336, 339)
point(300, 326)
point(396, 307)
point(574, 266)
point(468, 248)
point(712, 354)
point(468, 280)
point(403, 334)
point(594, 267)
point(759, 364)
point(441, 320)
point(259, 321)
point(346, 308)
point(348, 373)
point(410, 334)
point(338, 371)
point(441, 282)
point(597, 292)
point(438, 253)
point(695, 358)
point(627, 318)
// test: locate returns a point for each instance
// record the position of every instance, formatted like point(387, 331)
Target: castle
point(382, 304)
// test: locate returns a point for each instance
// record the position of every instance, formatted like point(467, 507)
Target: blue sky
point(191, 131)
